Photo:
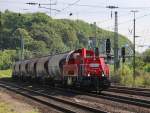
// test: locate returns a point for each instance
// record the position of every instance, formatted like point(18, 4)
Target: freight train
point(79, 68)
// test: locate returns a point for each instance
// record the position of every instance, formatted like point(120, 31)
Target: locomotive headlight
point(103, 74)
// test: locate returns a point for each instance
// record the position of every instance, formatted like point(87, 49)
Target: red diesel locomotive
point(78, 68)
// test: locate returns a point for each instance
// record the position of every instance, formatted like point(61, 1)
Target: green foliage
point(123, 76)
point(139, 81)
point(142, 79)
point(5, 73)
point(126, 75)
point(147, 79)
point(147, 67)
point(37, 46)
point(114, 78)
point(6, 58)
point(43, 35)
point(5, 108)
point(146, 56)
point(34, 111)
point(139, 63)
point(40, 27)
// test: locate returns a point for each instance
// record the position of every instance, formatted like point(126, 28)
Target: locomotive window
point(88, 55)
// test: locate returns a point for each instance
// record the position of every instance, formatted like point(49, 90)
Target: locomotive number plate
point(94, 65)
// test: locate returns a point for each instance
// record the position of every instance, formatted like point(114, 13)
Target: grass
point(5, 108)
point(5, 73)
point(124, 76)
point(34, 111)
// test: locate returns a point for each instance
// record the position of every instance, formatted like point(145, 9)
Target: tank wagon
point(79, 68)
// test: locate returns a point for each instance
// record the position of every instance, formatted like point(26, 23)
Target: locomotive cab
point(85, 68)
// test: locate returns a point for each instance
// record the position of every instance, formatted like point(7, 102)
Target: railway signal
point(108, 46)
point(116, 56)
point(108, 49)
point(123, 52)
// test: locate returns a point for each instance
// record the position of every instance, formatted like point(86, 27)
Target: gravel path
point(22, 104)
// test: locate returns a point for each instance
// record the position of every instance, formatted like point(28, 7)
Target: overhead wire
point(14, 2)
point(100, 6)
point(137, 18)
point(143, 41)
point(69, 5)
point(110, 19)
point(124, 22)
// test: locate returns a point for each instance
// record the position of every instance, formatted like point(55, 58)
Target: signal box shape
point(123, 52)
point(108, 46)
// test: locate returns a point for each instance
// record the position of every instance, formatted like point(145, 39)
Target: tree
point(43, 35)
point(70, 38)
point(38, 48)
point(146, 56)
point(7, 57)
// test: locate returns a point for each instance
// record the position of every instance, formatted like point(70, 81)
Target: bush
point(5, 73)
point(146, 79)
point(126, 75)
point(6, 58)
point(147, 68)
point(123, 76)
point(139, 81)
point(114, 78)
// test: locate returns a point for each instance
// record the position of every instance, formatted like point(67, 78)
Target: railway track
point(106, 96)
point(129, 88)
point(115, 98)
point(127, 100)
point(49, 100)
point(131, 91)
point(112, 97)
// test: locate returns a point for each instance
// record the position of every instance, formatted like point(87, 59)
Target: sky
point(95, 11)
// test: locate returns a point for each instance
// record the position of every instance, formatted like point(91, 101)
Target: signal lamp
point(123, 52)
point(108, 46)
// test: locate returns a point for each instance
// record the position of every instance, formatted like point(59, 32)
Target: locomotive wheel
point(97, 86)
point(65, 84)
point(14, 78)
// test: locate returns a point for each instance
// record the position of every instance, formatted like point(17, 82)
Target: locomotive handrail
point(68, 56)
